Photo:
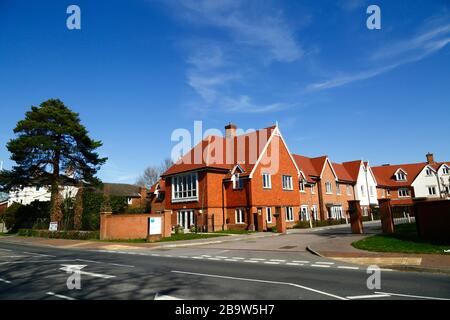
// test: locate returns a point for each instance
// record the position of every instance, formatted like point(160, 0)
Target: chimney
point(430, 158)
point(230, 130)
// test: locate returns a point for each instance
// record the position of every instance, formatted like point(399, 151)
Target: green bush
point(319, 223)
point(71, 234)
point(302, 225)
point(19, 216)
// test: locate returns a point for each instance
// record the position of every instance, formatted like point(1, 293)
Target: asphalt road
point(30, 272)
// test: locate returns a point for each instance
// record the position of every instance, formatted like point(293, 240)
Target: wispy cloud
point(254, 35)
point(393, 56)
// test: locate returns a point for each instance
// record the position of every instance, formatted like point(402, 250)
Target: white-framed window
point(338, 188)
point(313, 188)
point(431, 190)
point(269, 215)
point(336, 212)
point(328, 187)
point(238, 182)
point(184, 187)
point(349, 190)
point(287, 182)
point(363, 193)
point(240, 216)
point(301, 185)
point(129, 201)
point(403, 192)
point(267, 181)
point(446, 170)
point(304, 214)
point(289, 214)
point(429, 172)
point(314, 212)
point(400, 176)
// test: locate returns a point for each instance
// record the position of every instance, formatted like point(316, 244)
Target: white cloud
point(393, 56)
point(244, 104)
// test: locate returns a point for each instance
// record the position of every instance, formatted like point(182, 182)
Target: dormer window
point(400, 176)
point(301, 185)
point(429, 172)
point(446, 170)
point(238, 183)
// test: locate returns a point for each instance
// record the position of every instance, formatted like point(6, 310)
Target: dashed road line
point(300, 261)
point(323, 262)
point(277, 260)
point(347, 267)
point(221, 257)
point(215, 259)
point(5, 281)
point(320, 265)
point(258, 259)
point(38, 254)
point(60, 296)
point(232, 260)
point(294, 264)
point(271, 262)
point(5, 249)
point(237, 258)
point(251, 261)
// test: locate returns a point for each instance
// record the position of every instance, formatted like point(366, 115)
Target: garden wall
point(433, 220)
point(131, 226)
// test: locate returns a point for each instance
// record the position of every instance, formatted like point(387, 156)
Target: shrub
point(302, 225)
point(71, 234)
point(25, 216)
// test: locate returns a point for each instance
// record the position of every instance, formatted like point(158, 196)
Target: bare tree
point(152, 173)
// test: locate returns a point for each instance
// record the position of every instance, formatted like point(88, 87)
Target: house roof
point(352, 167)
point(306, 166)
point(342, 173)
point(213, 147)
point(121, 189)
point(385, 174)
point(312, 167)
point(160, 185)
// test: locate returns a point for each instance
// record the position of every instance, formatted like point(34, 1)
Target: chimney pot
point(430, 158)
point(230, 130)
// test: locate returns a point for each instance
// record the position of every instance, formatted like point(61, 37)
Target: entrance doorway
point(185, 218)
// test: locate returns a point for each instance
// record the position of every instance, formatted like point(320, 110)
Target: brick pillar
point(167, 223)
point(251, 220)
point(104, 225)
point(261, 219)
point(354, 209)
point(281, 221)
point(387, 219)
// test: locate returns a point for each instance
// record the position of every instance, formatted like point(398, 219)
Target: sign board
point(154, 225)
point(53, 226)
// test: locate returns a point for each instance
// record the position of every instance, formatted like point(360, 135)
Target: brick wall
point(130, 226)
point(433, 220)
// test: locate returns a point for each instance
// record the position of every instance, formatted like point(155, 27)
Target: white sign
point(53, 226)
point(154, 225)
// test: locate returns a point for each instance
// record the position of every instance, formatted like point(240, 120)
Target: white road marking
point(257, 259)
point(382, 269)
point(12, 256)
point(38, 254)
point(5, 281)
point(182, 256)
point(320, 265)
point(71, 268)
point(197, 258)
point(410, 296)
point(237, 258)
point(167, 255)
point(155, 255)
point(221, 257)
point(215, 259)
point(369, 296)
point(347, 267)
point(251, 261)
point(322, 262)
point(234, 260)
point(121, 265)
point(101, 262)
point(205, 255)
point(263, 281)
point(271, 262)
point(277, 260)
point(165, 297)
point(5, 249)
point(60, 296)
point(35, 261)
point(300, 261)
point(294, 264)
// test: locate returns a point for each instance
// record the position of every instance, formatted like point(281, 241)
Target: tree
point(152, 173)
point(52, 148)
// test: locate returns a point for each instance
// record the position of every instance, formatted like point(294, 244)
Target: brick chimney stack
point(430, 158)
point(230, 130)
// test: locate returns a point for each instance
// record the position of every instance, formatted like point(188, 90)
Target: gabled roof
point(160, 186)
point(385, 175)
point(342, 173)
point(306, 166)
point(353, 168)
point(121, 189)
point(209, 145)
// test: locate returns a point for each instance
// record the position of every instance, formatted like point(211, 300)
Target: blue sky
point(139, 69)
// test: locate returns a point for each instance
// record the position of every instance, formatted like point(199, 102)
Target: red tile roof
point(352, 168)
point(306, 166)
point(385, 174)
point(215, 145)
point(342, 173)
point(161, 184)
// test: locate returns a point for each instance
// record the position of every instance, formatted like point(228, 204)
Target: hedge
point(72, 234)
point(319, 223)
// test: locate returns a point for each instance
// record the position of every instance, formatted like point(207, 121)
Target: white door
point(186, 219)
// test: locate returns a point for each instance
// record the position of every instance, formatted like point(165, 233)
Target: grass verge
point(190, 236)
point(404, 240)
point(234, 232)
